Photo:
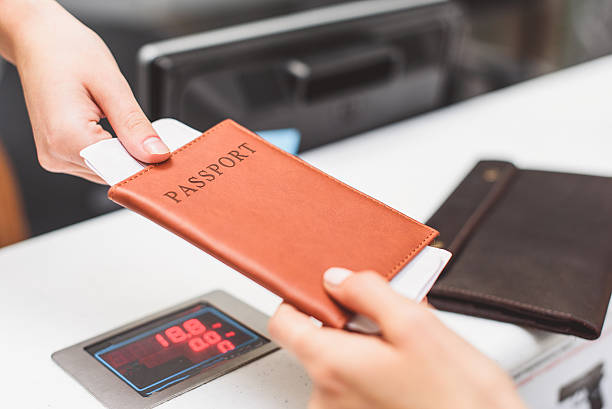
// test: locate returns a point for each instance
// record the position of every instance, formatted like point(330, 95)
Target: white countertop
point(69, 285)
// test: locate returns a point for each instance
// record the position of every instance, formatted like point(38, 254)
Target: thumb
point(131, 125)
point(369, 294)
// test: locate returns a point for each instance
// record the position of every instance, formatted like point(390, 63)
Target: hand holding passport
point(270, 216)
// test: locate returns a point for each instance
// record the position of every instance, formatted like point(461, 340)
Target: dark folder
point(530, 247)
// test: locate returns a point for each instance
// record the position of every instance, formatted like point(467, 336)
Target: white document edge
point(413, 281)
point(112, 162)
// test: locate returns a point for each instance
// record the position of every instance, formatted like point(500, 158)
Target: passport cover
point(272, 216)
point(530, 247)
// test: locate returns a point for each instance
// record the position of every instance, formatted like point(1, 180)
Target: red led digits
point(194, 326)
point(225, 345)
point(162, 341)
point(212, 337)
point(117, 359)
point(197, 345)
point(176, 334)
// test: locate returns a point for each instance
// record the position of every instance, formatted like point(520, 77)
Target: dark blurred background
point(506, 41)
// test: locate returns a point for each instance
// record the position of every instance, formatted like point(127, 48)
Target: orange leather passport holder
point(272, 216)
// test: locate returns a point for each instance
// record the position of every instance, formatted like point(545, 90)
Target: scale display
point(173, 348)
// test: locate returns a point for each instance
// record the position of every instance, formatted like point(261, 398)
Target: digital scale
point(149, 361)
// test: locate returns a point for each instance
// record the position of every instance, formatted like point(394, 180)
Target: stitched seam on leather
point(486, 205)
point(402, 261)
point(511, 302)
point(432, 232)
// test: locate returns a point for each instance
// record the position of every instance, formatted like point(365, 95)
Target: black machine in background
point(500, 43)
point(330, 73)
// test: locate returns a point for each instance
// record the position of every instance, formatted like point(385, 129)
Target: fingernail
point(155, 146)
point(336, 275)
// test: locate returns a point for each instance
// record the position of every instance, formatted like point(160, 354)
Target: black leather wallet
point(530, 247)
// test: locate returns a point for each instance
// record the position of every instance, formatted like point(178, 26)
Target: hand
point(71, 81)
point(417, 362)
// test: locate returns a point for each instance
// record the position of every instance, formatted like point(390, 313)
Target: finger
point(288, 325)
point(132, 127)
point(72, 126)
point(317, 400)
point(84, 173)
point(297, 333)
point(82, 137)
point(371, 295)
point(75, 169)
point(81, 172)
point(365, 293)
point(425, 303)
point(92, 177)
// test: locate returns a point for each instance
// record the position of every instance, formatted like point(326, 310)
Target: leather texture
point(272, 216)
point(530, 247)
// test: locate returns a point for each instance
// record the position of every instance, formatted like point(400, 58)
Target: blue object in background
point(286, 139)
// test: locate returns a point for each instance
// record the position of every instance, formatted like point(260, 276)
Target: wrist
point(18, 18)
